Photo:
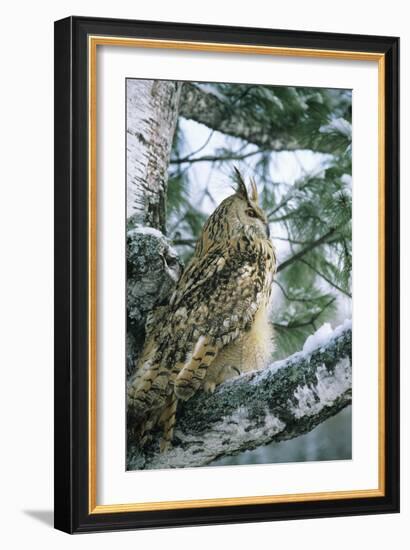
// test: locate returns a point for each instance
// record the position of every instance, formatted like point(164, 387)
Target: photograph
point(227, 274)
point(238, 274)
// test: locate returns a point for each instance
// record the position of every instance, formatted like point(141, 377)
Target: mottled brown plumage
point(216, 324)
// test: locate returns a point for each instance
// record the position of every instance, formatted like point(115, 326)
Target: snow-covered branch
point(285, 400)
point(208, 106)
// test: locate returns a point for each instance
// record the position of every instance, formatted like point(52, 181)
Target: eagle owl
point(216, 324)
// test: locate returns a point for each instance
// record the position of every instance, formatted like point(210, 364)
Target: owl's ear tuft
point(240, 189)
point(254, 191)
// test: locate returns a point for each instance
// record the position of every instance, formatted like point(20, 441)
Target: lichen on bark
point(153, 267)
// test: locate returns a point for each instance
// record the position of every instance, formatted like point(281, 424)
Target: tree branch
point(218, 113)
point(296, 188)
point(185, 242)
point(311, 246)
point(290, 298)
point(331, 283)
point(308, 322)
point(215, 158)
point(285, 400)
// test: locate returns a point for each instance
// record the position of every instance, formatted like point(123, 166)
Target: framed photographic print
point(226, 274)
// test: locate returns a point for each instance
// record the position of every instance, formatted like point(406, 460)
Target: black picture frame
point(72, 467)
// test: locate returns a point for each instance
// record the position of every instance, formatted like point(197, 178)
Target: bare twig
point(311, 246)
point(215, 158)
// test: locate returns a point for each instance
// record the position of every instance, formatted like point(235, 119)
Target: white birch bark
point(152, 111)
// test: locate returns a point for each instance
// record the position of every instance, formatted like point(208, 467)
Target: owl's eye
point(251, 213)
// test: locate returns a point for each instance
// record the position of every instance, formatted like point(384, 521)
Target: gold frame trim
point(93, 42)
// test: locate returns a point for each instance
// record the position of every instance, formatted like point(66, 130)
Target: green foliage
point(310, 217)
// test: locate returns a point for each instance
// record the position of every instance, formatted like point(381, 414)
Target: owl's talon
point(164, 445)
point(183, 392)
point(209, 387)
point(144, 440)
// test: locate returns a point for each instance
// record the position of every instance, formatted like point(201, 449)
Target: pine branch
point(331, 283)
point(310, 321)
point(311, 246)
point(289, 240)
point(218, 113)
point(296, 188)
point(292, 298)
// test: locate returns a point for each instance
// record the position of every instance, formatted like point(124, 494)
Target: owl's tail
point(167, 420)
point(154, 392)
point(151, 398)
point(149, 388)
point(159, 419)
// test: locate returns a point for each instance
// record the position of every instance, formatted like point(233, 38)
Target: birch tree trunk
point(152, 265)
point(152, 112)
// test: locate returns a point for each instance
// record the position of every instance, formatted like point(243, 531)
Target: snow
point(151, 231)
point(143, 230)
point(346, 179)
point(339, 125)
point(211, 89)
point(310, 400)
point(318, 339)
point(346, 325)
point(323, 335)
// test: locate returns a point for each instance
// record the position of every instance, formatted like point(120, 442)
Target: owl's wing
point(215, 301)
point(220, 300)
